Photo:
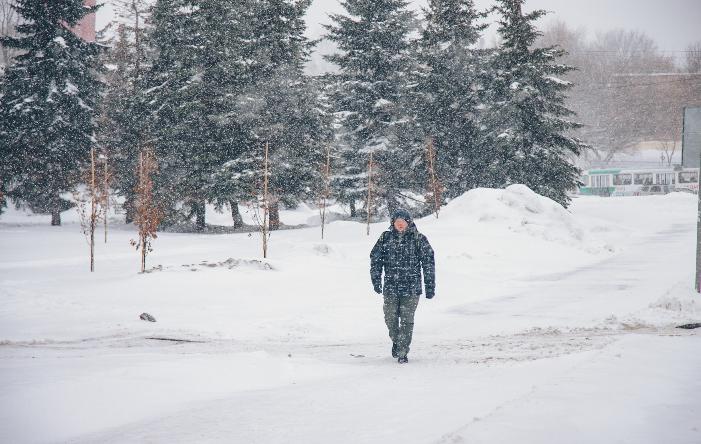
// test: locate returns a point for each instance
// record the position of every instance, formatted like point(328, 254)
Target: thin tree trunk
point(353, 211)
point(199, 208)
point(143, 253)
point(325, 193)
point(142, 234)
point(56, 211)
point(106, 196)
point(137, 35)
point(392, 201)
point(236, 214)
point(266, 201)
point(435, 185)
point(93, 209)
point(129, 209)
point(274, 218)
point(369, 199)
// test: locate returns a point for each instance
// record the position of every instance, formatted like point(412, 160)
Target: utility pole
point(691, 158)
point(698, 239)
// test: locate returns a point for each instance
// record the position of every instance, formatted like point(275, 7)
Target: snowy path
point(568, 347)
point(581, 398)
point(618, 385)
point(598, 293)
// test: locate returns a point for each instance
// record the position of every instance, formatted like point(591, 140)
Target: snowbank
point(518, 209)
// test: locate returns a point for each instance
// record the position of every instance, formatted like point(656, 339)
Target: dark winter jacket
point(402, 256)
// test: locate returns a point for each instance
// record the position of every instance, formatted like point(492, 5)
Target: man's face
point(400, 225)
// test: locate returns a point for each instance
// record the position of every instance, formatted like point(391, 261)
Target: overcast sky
point(673, 24)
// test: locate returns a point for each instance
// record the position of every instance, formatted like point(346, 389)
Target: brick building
point(85, 29)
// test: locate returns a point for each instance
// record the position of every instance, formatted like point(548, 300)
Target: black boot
point(403, 360)
point(394, 350)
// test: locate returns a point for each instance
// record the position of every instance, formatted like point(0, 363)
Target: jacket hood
point(402, 214)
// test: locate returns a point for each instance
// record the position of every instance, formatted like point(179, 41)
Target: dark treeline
point(204, 85)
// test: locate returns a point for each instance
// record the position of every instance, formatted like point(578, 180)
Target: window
point(642, 178)
point(665, 178)
point(600, 181)
point(622, 179)
point(688, 177)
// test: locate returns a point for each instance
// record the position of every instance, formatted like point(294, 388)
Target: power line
point(631, 85)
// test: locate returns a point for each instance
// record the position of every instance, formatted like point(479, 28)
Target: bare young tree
point(671, 140)
point(148, 214)
point(266, 200)
point(260, 204)
point(693, 58)
point(617, 74)
point(368, 203)
point(324, 195)
point(629, 52)
point(90, 204)
point(669, 147)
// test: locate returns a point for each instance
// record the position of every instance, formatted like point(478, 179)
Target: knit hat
point(401, 214)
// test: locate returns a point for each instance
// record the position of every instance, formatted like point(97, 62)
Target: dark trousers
point(399, 317)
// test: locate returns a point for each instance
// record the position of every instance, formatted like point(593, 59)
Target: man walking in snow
point(402, 253)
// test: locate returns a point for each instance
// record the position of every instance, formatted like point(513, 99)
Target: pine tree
point(527, 121)
point(178, 123)
point(280, 106)
point(297, 129)
point(122, 129)
point(373, 39)
point(239, 57)
point(279, 30)
point(215, 61)
point(449, 99)
point(48, 99)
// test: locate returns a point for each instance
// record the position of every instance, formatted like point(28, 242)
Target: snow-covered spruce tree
point(236, 59)
point(449, 94)
point(178, 122)
point(229, 67)
point(121, 132)
point(212, 56)
point(191, 85)
point(374, 60)
point(287, 115)
point(526, 120)
point(279, 29)
point(119, 129)
point(279, 105)
point(48, 99)
point(282, 112)
point(291, 117)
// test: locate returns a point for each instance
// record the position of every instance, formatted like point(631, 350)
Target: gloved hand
point(430, 295)
point(378, 288)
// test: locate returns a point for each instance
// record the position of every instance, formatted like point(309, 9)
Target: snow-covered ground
point(548, 325)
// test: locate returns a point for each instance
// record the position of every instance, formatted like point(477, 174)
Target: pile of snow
point(681, 300)
point(680, 304)
point(518, 209)
point(229, 263)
